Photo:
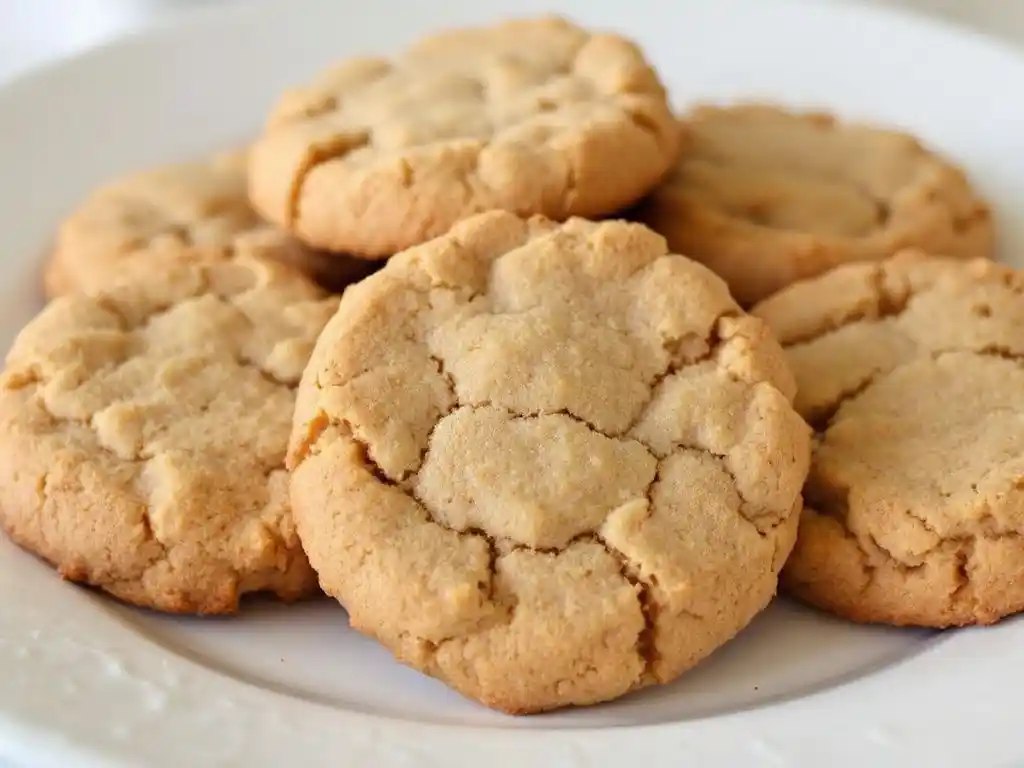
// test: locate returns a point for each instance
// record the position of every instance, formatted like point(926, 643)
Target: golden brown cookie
point(531, 116)
point(143, 434)
point(766, 197)
point(196, 211)
point(910, 371)
point(547, 464)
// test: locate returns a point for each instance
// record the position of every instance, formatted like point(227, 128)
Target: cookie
point(766, 197)
point(196, 211)
point(548, 464)
point(143, 434)
point(533, 116)
point(910, 372)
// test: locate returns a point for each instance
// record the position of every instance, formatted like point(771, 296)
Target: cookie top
point(521, 422)
point(143, 434)
point(910, 371)
point(766, 197)
point(531, 116)
point(196, 211)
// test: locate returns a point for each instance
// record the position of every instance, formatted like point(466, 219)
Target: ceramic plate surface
point(88, 682)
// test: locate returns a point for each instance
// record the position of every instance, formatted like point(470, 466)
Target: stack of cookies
point(461, 340)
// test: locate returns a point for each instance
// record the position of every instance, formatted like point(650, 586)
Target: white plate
point(88, 682)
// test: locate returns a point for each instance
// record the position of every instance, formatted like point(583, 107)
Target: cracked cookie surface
point(196, 211)
point(766, 197)
point(910, 371)
point(548, 464)
point(533, 116)
point(143, 434)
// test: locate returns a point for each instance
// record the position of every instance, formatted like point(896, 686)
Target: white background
point(32, 31)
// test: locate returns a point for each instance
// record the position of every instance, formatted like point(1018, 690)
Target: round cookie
point(547, 464)
point(765, 197)
point(143, 434)
point(196, 211)
point(910, 372)
point(534, 116)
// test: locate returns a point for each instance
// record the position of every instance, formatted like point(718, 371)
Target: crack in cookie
point(819, 420)
point(646, 638)
point(504, 545)
point(378, 155)
point(335, 146)
point(156, 417)
point(492, 421)
point(920, 433)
